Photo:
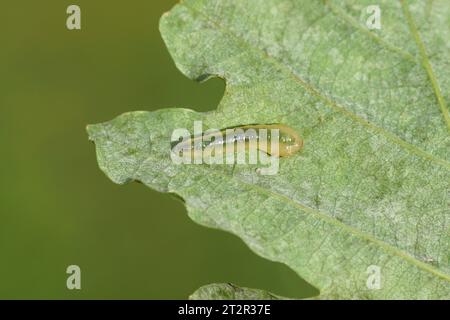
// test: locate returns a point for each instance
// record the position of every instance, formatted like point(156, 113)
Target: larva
point(289, 142)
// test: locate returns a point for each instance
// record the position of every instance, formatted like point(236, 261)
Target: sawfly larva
point(274, 139)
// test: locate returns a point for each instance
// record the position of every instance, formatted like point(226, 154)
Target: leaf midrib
point(426, 63)
point(338, 11)
point(332, 104)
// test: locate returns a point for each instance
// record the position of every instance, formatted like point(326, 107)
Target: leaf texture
point(371, 186)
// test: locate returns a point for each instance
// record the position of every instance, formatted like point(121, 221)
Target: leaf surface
point(371, 186)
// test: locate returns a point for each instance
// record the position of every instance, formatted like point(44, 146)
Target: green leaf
point(371, 186)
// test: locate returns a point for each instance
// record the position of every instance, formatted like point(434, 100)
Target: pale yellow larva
point(289, 141)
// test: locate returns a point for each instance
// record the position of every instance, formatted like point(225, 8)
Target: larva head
point(290, 141)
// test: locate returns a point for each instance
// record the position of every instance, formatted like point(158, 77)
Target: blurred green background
point(57, 208)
